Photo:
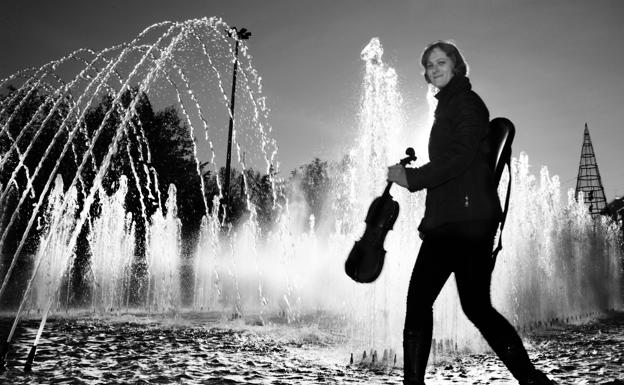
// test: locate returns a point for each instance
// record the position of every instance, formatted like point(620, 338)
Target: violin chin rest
point(365, 261)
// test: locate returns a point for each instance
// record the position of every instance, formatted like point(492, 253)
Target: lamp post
point(239, 35)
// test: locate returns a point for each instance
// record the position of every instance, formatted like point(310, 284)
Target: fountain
point(84, 212)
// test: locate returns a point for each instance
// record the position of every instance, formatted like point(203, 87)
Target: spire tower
point(588, 180)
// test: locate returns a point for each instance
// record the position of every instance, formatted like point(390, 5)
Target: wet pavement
point(203, 349)
point(569, 354)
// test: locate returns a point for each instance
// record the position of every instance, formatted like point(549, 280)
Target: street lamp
point(239, 35)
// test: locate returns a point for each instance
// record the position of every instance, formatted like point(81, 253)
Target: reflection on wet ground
point(202, 349)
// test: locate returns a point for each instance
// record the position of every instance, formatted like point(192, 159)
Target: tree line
point(154, 150)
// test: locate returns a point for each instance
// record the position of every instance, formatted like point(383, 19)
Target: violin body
point(366, 259)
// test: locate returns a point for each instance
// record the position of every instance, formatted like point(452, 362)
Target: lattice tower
point(588, 180)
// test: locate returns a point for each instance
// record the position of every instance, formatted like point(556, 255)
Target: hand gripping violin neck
point(366, 259)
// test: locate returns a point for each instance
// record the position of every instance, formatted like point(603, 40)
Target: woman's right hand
point(396, 174)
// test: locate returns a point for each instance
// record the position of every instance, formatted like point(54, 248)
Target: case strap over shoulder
point(501, 136)
point(499, 247)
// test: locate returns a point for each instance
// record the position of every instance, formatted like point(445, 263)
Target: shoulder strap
point(502, 138)
point(505, 210)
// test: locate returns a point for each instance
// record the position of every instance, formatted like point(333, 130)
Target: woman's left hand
point(396, 174)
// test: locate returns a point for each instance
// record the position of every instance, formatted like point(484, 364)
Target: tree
point(31, 125)
point(161, 144)
point(258, 188)
point(314, 181)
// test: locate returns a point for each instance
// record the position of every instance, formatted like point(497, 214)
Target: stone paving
point(592, 353)
point(130, 350)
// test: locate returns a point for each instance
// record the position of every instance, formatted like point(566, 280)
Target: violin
point(367, 256)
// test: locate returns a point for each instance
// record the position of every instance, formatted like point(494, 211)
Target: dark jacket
point(460, 185)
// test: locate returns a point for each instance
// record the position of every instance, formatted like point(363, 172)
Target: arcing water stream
point(557, 263)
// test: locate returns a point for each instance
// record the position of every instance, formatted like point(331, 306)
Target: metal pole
point(228, 160)
point(241, 34)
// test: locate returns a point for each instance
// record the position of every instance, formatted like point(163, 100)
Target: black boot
point(537, 378)
point(416, 345)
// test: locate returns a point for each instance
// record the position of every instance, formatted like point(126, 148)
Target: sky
point(550, 65)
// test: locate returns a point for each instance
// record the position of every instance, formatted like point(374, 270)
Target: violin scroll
point(411, 157)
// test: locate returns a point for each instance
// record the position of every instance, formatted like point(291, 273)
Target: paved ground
point(130, 350)
point(581, 354)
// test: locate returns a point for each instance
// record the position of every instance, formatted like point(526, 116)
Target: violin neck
point(387, 190)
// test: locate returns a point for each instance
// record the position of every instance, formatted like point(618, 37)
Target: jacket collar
point(457, 84)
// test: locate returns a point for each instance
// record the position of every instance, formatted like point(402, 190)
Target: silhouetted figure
point(462, 212)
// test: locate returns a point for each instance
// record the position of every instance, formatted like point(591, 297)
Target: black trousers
point(463, 248)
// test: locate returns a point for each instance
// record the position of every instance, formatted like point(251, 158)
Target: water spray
point(33, 348)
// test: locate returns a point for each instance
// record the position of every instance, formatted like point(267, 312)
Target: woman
point(462, 211)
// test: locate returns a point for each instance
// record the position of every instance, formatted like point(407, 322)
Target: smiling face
point(439, 68)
